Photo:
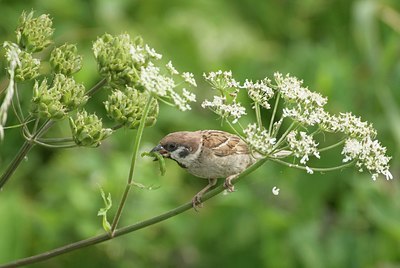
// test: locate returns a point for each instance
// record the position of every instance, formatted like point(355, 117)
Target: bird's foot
point(228, 183)
point(196, 202)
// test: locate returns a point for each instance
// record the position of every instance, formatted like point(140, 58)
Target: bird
point(208, 154)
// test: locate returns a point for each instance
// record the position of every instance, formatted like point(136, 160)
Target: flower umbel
point(302, 145)
point(65, 60)
point(126, 107)
point(293, 131)
point(259, 139)
point(370, 154)
point(34, 34)
point(87, 130)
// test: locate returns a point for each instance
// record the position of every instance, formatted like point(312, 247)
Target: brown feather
point(223, 143)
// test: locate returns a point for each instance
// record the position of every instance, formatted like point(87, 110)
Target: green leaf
point(103, 211)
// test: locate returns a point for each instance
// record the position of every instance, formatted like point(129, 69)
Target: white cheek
point(187, 160)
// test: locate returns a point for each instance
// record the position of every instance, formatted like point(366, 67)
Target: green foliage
point(347, 50)
point(103, 211)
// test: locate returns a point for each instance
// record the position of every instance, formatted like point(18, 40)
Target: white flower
point(348, 124)
point(189, 78)
point(302, 145)
point(369, 154)
point(235, 110)
point(259, 139)
point(137, 53)
point(152, 53)
point(221, 80)
point(188, 95)
point(171, 68)
point(292, 90)
point(305, 115)
point(151, 79)
point(259, 92)
point(309, 170)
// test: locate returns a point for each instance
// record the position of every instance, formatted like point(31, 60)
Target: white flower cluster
point(189, 78)
point(308, 116)
point(139, 53)
point(370, 154)
point(302, 145)
point(221, 80)
point(151, 79)
point(259, 139)
point(305, 108)
point(292, 91)
point(302, 105)
point(219, 106)
point(164, 86)
point(259, 92)
point(171, 69)
point(348, 124)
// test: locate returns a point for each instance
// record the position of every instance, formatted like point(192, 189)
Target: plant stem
point(332, 146)
point(128, 229)
point(318, 169)
point(133, 164)
point(258, 115)
point(96, 87)
point(271, 123)
point(28, 144)
point(23, 151)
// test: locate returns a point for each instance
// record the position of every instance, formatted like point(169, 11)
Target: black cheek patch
point(183, 153)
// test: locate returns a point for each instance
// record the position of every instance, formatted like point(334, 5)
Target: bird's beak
point(159, 149)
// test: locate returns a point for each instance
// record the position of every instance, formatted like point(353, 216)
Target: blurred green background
point(347, 50)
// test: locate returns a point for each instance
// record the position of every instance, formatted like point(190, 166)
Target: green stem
point(234, 129)
point(258, 115)
point(28, 144)
point(128, 229)
point(135, 154)
point(23, 151)
point(282, 138)
point(96, 87)
point(271, 123)
point(313, 168)
point(332, 146)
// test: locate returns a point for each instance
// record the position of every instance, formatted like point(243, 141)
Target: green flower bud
point(87, 130)
point(46, 102)
point(126, 107)
point(33, 34)
point(72, 93)
point(28, 68)
point(56, 101)
point(65, 60)
point(114, 59)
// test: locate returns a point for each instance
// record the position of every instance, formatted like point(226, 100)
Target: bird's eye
point(171, 147)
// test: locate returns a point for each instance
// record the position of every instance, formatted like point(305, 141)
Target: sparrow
point(208, 154)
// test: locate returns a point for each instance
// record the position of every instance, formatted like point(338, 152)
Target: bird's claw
point(228, 184)
point(196, 202)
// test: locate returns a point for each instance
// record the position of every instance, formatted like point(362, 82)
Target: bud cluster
point(87, 129)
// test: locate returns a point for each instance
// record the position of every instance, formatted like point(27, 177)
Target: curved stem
point(133, 164)
point(128, 229)
point(318, 169)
